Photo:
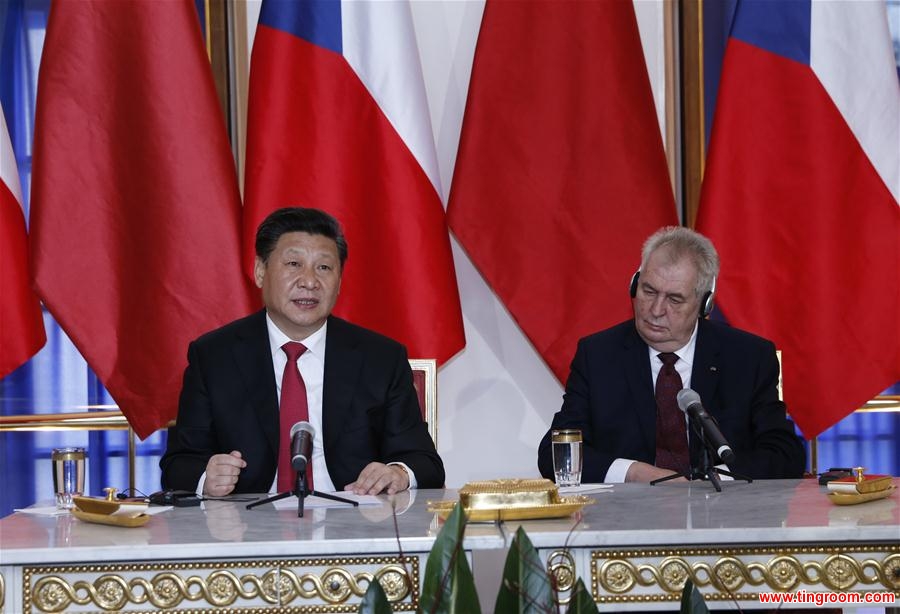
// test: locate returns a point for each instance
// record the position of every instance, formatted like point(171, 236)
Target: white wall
point(495, 398)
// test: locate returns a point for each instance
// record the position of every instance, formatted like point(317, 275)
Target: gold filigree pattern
point(174, 586)
point(561, 567)
point(616, 574)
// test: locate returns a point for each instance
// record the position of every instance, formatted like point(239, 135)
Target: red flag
point(21, 324)
point(801, 198)
point(135, 215)
point(338, 121)
point(561, 173)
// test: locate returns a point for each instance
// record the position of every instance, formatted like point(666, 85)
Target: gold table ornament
point(511, 499)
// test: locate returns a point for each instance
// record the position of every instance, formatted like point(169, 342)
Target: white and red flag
point(338, 120)
point(21, 323)
point(801, 197)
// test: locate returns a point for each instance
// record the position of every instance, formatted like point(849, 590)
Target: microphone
point(689, 402)
point(302, 435)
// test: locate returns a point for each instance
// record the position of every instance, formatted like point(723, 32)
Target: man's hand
point(222, 472)
point(376, 478)
point(644, 472)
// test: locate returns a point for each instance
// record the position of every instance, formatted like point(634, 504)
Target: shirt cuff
point(617, 471)
point(409, 473)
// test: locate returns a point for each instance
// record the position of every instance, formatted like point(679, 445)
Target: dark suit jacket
point(610, 397)
point(370, 411)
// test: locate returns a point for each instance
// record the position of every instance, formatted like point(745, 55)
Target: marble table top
point(767, 511)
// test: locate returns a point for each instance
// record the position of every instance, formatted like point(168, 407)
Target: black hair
point(298, 219)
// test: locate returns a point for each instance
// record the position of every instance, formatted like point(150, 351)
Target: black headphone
point(706, 303)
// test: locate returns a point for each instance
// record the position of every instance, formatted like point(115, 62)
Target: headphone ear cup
point(632, 290)
point(706, 305)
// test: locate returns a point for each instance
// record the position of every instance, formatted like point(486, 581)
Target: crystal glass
point(68, 474)
point(567, 456)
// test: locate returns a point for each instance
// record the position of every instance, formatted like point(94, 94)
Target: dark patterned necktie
point(671, 430)
point(292, 409)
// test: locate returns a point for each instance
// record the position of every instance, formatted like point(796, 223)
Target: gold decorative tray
point(110, 511)
point(511, 499)
point(116, 520)
point(843, 498)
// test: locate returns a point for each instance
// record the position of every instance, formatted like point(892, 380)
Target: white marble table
point(223, 555)
point(633, 547)
point(638, 543)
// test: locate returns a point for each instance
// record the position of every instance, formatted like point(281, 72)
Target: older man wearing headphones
point(622, 387)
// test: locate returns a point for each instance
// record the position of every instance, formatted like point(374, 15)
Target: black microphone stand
point(301, 492)
point(706, 470)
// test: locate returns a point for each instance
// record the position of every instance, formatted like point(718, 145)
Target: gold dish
point(93, 505)
point(842, 498)
point(116, 520)
point(565, 507)
point(511, 499)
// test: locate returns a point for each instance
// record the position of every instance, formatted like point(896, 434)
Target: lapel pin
point(713, 369)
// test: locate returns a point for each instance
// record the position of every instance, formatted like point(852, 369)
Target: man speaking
point(248, 383)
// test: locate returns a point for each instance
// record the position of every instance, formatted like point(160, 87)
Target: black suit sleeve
point(576, 413)
point(404, 436)
point(764, 440)
point(219, 412)
point(191, 442)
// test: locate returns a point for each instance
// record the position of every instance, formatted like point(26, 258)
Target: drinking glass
point(567, 456)
point(68, 475)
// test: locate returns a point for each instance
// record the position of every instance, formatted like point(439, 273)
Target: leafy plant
point(692, 601)
point(525, 587)
point(449, 587)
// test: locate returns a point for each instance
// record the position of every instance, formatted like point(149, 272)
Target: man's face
point(300, 282)
point(666, 305)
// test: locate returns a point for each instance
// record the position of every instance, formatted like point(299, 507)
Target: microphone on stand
point(689, 402)
point(302, 435)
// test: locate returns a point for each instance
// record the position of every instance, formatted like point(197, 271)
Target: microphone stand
point(301, 492)
point(706, 470)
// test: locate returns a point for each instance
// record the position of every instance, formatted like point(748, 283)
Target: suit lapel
point(640, 382)
point(705, 372)
point(254, 360)
point(343, 362)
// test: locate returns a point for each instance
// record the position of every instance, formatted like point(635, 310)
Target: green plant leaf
point(449, 586)
point(526, 586)
point(692, 601)
point(375, 601)
point(581, 601)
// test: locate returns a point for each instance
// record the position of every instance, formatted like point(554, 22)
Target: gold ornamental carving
point(617, 574)
point(233, 585)
point(561, 567)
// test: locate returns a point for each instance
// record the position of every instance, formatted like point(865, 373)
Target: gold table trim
point(278, 583)
point(615, 572)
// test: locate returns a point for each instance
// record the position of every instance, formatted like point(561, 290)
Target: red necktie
point(293, 409)
point(671, 430)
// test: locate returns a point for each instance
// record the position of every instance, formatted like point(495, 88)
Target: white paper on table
point(584, 489)
point(50, 510)
point(314, 502)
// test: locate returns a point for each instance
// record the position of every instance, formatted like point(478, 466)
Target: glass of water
point(567, 458)
point(68, 475)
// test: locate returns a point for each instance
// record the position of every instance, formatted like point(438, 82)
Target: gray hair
point(680, 242)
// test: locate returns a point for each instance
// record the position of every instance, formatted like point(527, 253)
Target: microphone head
point(686, 398)
point(303, 426)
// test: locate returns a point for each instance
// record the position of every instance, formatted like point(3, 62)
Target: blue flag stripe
point(316, 21)
point(779, 26)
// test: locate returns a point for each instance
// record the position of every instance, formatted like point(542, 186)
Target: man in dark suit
point(369, 432)
point(612, 393)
